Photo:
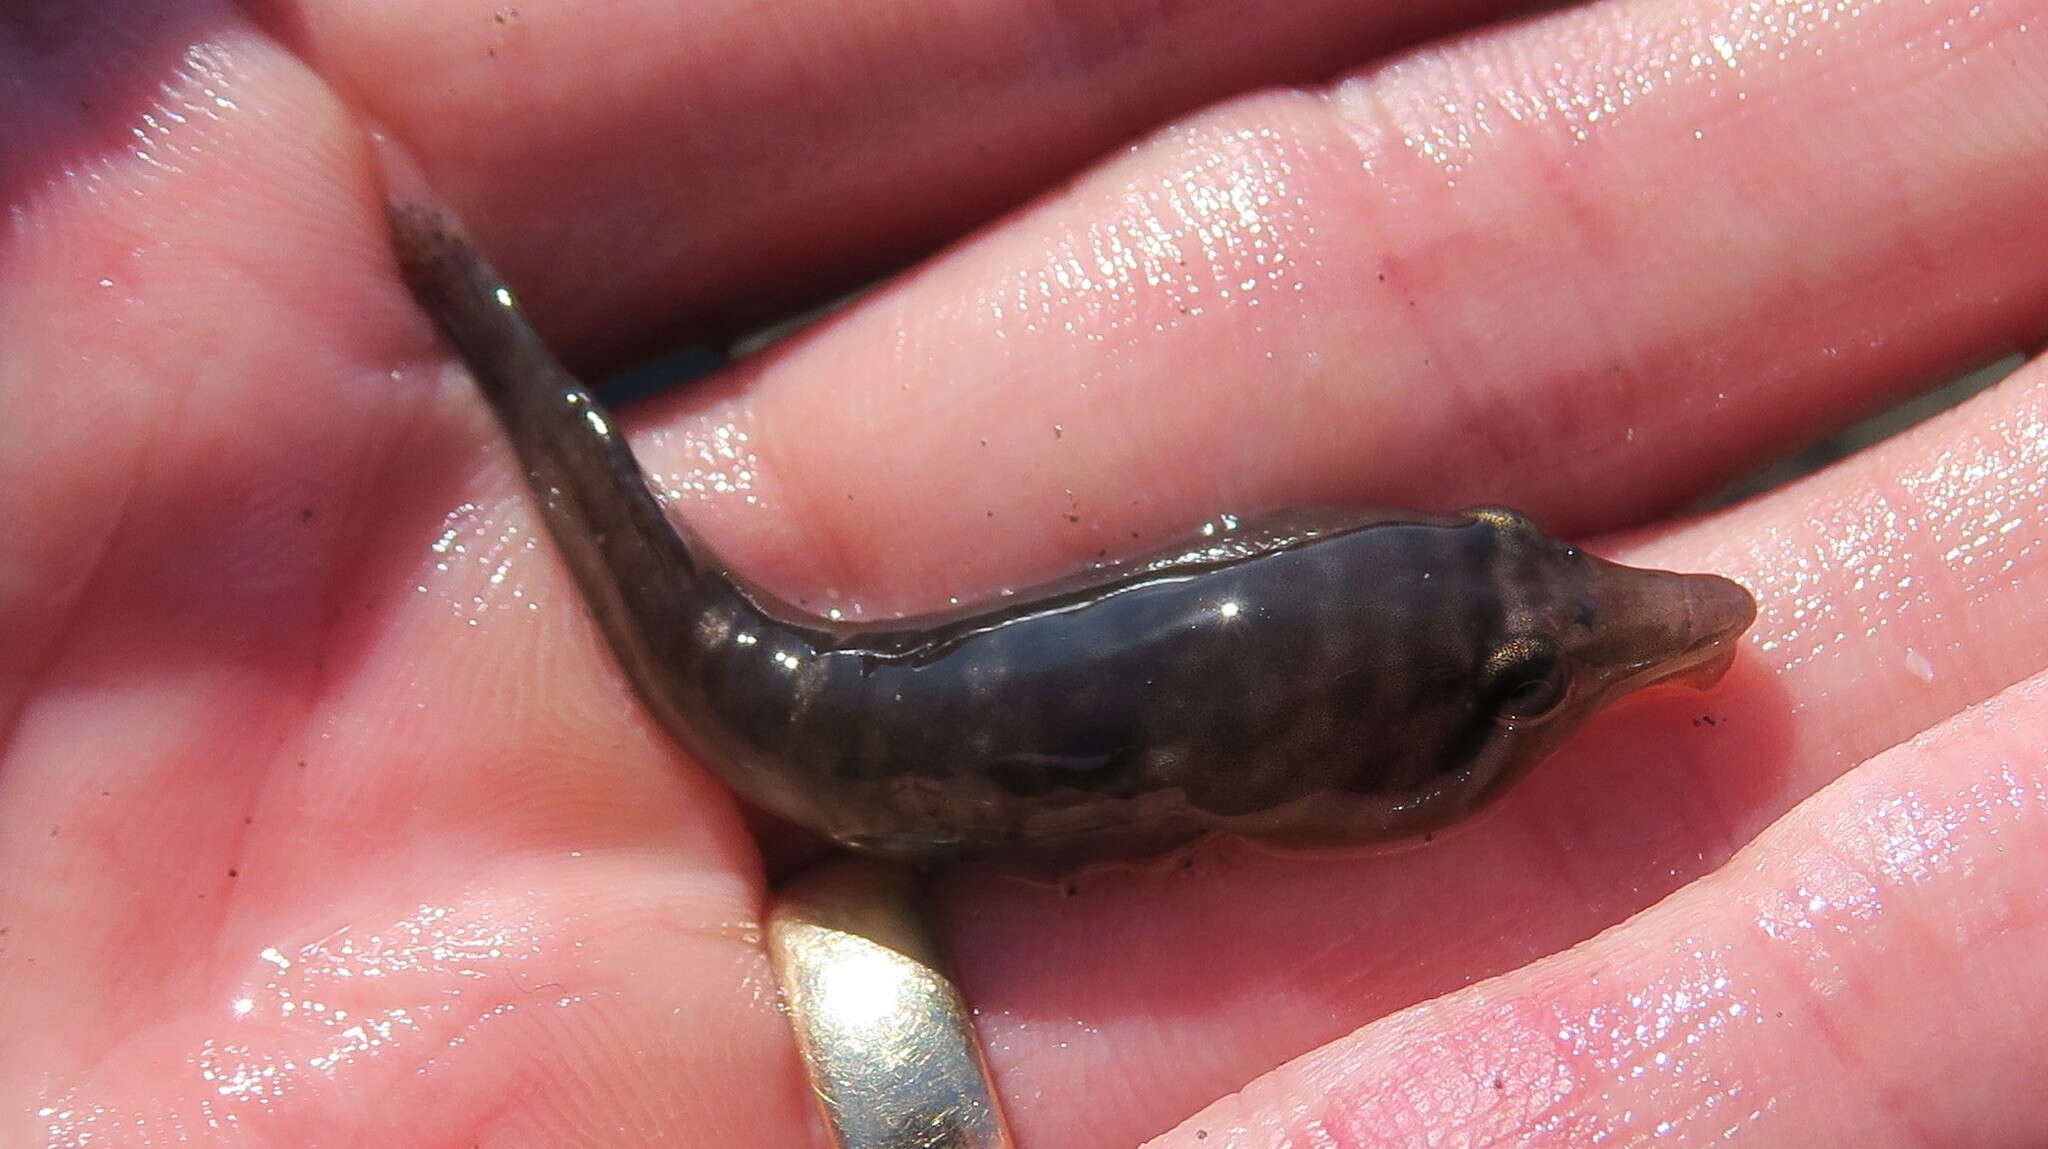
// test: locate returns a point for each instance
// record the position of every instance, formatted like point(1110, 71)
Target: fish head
point(1573, 632)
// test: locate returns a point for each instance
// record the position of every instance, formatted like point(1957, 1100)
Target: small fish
point(1309, 678)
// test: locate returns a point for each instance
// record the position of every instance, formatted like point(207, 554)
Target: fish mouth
point(1662, 627)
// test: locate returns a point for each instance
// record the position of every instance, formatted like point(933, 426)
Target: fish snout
point(1659, 626)
point(1718, 611)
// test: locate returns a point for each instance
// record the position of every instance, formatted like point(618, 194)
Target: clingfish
point(1308, 678)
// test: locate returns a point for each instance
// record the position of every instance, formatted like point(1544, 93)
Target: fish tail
point(638, 569)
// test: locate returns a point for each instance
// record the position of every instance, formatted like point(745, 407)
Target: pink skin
point(1770, 999)
point(325, 821)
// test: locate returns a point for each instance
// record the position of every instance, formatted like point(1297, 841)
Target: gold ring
point(887, 1040)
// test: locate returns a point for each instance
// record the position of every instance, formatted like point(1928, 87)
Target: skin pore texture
point(326, 819)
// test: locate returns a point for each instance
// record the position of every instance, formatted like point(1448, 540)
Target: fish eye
point(1525, 680)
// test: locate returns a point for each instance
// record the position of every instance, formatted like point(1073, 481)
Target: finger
point(1854, 977)
point(300, 839)
point(1594, 314)
point(639, 166)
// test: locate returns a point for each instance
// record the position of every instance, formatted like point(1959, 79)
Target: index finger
point(637, 166)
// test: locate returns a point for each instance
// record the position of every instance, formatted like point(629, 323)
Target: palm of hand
point(326, 821)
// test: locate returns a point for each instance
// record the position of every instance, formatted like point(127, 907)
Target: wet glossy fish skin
point(1309, 678)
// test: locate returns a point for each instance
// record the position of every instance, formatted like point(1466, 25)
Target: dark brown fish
point(1307, 678)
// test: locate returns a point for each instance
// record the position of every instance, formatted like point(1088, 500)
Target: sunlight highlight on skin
point(1831, 901)
point(1585, 1067)
point(1806, 606)
point(1911, 839)
point(1954, 527)
point(718, 463)
point(1990, 497)
point(167, 129)
point(1224, 229)
point(200, 107)
point(494, 541)
point(1580, 89)
point(1670, 1033)
point(340, 1011)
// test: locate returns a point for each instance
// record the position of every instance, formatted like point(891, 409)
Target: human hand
point(327, 821)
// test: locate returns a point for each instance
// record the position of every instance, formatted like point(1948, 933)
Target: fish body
point(1308, 678)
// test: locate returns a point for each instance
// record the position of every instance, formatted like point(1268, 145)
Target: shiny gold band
point(887, 1041)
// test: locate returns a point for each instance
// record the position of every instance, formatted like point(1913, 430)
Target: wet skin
point(1307, 678)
